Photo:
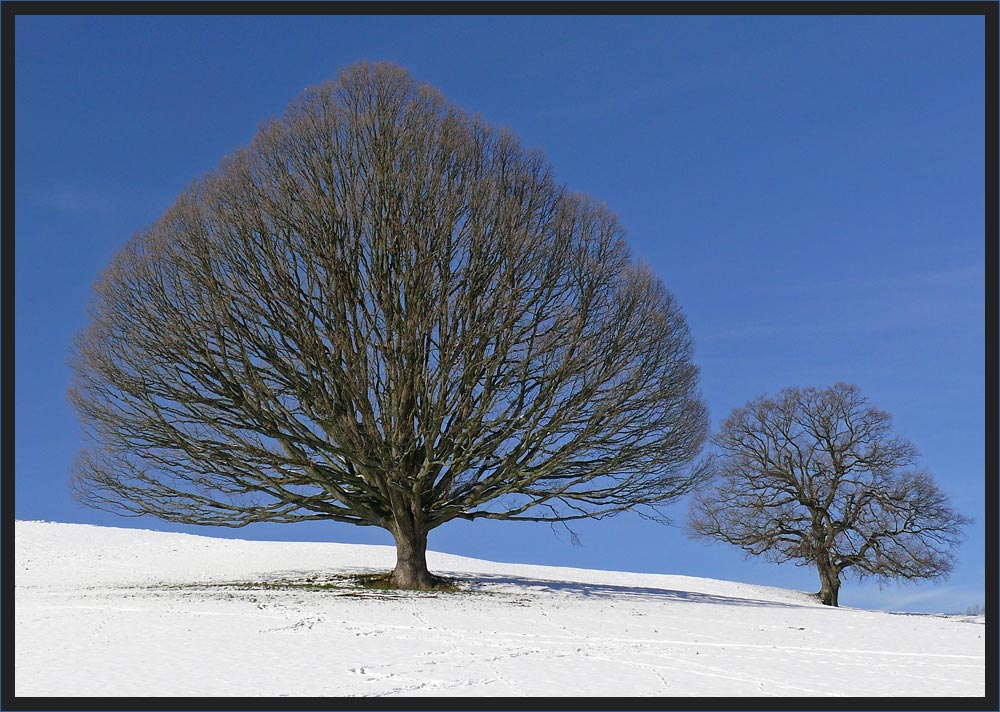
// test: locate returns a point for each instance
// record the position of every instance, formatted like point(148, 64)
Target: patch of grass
point(383, 582)
point(309, 583)
point(359, 584)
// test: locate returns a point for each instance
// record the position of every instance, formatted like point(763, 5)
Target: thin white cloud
point(77, 201)
point(945, 298)
point(941, 599)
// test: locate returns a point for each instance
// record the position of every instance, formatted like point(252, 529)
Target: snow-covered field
point(107, 611)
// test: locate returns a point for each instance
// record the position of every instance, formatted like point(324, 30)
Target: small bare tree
point(816, 477)
point(384, 312)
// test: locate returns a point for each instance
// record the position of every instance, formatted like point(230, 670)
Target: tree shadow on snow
point(597, 590)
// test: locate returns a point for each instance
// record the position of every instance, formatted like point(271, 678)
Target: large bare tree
point(384, 312)
point(816, 476)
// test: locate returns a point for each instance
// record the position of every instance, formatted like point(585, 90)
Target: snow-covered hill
point(108, 611)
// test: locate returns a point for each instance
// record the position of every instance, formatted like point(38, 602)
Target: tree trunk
point(411, 560)
point(829, 579)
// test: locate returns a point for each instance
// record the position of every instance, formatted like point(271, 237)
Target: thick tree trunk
point(411, 560)
point(829, 579)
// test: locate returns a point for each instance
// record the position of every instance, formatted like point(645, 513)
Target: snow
point(106, 611)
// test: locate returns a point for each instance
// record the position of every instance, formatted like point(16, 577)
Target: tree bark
point(829, 579)
point(411, 560)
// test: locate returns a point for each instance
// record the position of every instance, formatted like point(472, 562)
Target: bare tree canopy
point(384, 312)
point(817, 477)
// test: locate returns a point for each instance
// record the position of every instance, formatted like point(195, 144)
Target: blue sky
point(809, 188)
